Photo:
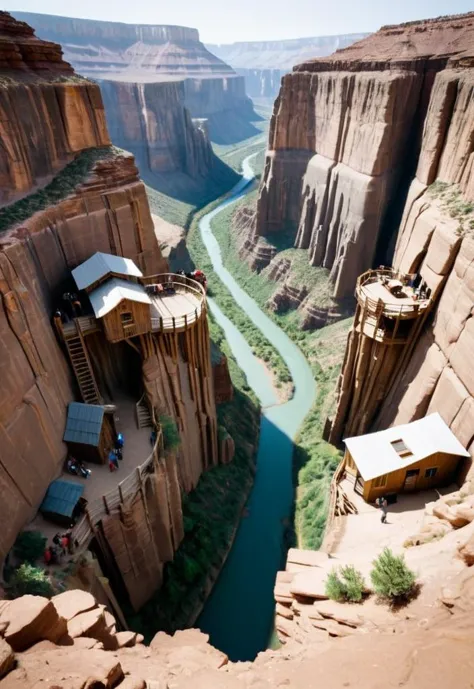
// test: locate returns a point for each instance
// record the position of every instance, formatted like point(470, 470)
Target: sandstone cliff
point(344, 137)
point(96, 202)
point(70, 641)
point(136, 54)
point(263, 63)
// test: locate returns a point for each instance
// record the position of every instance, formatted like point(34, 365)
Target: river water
point(238, 615)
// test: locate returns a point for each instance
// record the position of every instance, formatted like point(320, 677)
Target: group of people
point(62, 545)
point(77, 468)
point(196, 275)
point(116, 453)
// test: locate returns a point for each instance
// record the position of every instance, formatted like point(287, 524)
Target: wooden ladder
point(82, 367)
point(144, 419)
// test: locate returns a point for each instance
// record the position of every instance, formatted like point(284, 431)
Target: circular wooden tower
point(391, 309)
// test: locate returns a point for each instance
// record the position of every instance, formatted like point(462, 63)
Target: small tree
point(346, 584)
point(33, 580)
point(171, 439)
point(29, 546)
point(391, 577)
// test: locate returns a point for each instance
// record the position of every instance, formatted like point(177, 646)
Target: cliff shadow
point(233, 126)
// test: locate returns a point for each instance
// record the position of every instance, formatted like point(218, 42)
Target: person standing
point(383, 504)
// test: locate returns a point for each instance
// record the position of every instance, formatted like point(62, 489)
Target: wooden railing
point(177, 283)
point(376, 307)
point(337, 476)
point(83, 530)
point(86, 324)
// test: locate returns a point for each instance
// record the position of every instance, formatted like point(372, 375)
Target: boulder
point(125, 639)
point(343, 613)
point(309, 558)
point(465, 512)
point(91, 623)
point(31, 619)
point(71, 603)
point(284, 611)
point(7, 658)
point(332, 627)
point(310, 584)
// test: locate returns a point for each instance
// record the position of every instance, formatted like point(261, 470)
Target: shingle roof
point(375, 456)
point(84, 423)
point(110, 293)
point(62, 497)
point(101, 264)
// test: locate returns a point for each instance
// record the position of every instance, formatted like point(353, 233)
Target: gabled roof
point(62, 497)
point(99, 265)
point(84, 423)
point(108, 295)
point(374, 455)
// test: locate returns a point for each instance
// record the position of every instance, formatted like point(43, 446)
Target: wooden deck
point(405, 306)
point(175, 311)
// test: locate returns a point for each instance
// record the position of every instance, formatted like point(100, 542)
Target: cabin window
point(401, 448)
point(431, 473)
point(126, 318)
point(380, 481)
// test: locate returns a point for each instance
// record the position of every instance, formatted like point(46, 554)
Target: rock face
point(345, 130)
point(263, 63)
point(94, 203)
point(46, 117)
point(340, 652)
point(134, 55)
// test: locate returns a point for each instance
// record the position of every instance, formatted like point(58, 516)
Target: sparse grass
point(63, 184)
point(314, 460)
point(454, 204)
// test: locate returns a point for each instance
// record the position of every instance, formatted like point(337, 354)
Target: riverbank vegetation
point(314, 459)
point(211, 515)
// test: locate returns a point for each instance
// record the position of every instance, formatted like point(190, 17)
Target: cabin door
point(411, 477)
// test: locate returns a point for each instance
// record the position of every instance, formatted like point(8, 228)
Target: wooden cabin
point(118, 299)
point(417, 456)
point(89, 433)
point(123, 308)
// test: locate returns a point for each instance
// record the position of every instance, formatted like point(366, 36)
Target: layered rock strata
point(134, 55)
point(95, 203)
point(345, 130)
point(435, 239)
point(441, 634)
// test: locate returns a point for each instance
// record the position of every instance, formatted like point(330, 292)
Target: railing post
point(120, 491)
point(106, 505)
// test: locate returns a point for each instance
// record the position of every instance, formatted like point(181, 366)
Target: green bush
point(391, 577)
point(171, 438)
point(29, 546)
point(345, 584)
point(33, 580)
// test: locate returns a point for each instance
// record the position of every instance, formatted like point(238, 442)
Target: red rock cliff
point(345, 131)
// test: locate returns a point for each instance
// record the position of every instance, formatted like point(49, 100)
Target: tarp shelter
point(89, 432)
point(61, 501)
point(100, 266)
point(419, 455)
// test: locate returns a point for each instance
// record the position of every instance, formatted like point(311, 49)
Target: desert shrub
point(347, 584)
point(391, 577)
point(29, 546)
point(33, 580)
point(170, 432)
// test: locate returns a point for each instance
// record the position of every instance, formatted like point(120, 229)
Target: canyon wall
point(135, 55)
point(344, 138)
point(95, 202)
point(263, 63)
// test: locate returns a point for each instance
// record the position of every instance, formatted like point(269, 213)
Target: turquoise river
point(239, 613)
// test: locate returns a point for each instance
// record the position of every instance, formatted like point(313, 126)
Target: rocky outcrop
point(340, 652)
point(140, 58)
point(46, 116)
point(345, 131)
point(172, 243)
point(261, 83)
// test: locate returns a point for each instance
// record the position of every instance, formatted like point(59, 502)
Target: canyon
point(67, 193)
point(264, 63)
point(166, 98)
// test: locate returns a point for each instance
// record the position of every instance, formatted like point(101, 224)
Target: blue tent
point(61, 500)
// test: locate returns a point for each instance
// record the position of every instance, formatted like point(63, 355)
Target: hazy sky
point(226, 21)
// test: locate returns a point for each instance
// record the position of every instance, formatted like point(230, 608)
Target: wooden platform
point(175, 311)
point(404, 306)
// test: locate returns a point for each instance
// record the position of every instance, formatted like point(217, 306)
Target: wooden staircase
point(143, 416)
point(82, 367)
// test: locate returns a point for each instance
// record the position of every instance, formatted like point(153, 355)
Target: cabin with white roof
point(117, 298)
point(417, 456)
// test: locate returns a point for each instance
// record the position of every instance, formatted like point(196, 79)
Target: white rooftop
point(375, 456)
point(108, 295)
point(101, 264)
